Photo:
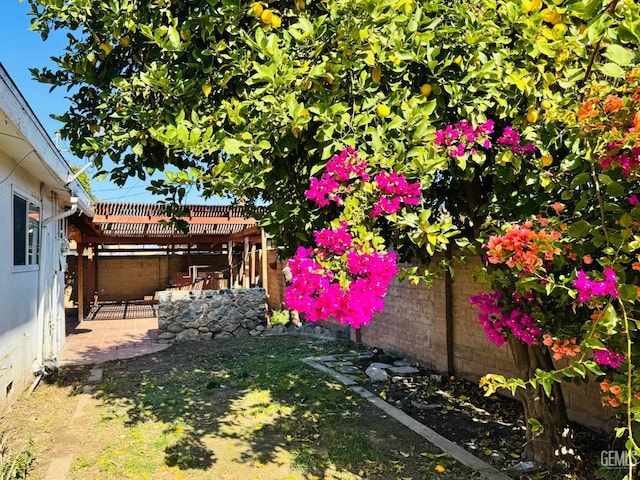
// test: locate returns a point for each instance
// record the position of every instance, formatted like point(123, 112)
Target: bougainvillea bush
point(564, 282)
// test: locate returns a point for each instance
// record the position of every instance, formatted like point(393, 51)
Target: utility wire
point(17, 165)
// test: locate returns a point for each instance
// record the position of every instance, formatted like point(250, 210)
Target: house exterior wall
point(31, 315)
point(32, 311)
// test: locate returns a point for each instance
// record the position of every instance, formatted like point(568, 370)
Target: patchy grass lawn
point(240, 409)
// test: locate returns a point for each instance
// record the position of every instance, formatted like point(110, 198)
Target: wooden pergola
point(137, 227)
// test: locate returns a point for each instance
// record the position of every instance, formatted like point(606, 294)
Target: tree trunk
point(551, 445)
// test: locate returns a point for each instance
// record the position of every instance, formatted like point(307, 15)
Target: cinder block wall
point(132, 277)
point(413, 325)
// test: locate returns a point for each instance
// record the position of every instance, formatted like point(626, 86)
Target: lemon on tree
point(531, 5)
point(532, 115)
point(256, 9)
point(376, 74)
point(426, 89)
point(383, 110)
point(266, 16)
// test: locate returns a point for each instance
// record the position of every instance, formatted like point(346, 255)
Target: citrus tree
point(256, 98)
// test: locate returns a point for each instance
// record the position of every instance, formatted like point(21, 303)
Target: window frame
point(33, 243)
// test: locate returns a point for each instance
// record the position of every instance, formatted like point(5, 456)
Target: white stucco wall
point(18, 292)
point(31, 297)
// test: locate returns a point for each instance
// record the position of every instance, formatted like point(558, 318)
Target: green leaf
point(579, 229)
point(628, 293)
point(619, 55)
point(174, 37)
point(580, 179)
point(614, 189)
point(629, 29)
point(610, 320)
point(593, 367)
point(612, 70)
point(580, 369)
point(231, 146)
point(593, 343)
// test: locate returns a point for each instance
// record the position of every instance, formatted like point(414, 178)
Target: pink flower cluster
point(497, 322)
point(334, 241)
point(318, 292)
point(627, 159)
point(394, 191)
point(511, 138)
point(341, 168)
point(463, 136)
point(393, 188)
point(346, 165)
point(588, 288)
point(608, 357)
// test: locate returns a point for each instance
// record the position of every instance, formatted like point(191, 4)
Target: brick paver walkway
point(98, 341)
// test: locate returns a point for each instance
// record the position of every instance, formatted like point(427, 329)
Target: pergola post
point(245, 264)
point(264, 267)
point(253, 265)
point(96, 265)
point(230, 262)
point(80, 282)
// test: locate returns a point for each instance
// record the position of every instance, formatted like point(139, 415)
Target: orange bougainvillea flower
point(561, 348)
point(522, 247)
point(604, 385)
point(587, 259)
point(558, 207)
point(614, 402)
point(612, 104)
point(587, 110)
point(636, 266)
point(636, 121)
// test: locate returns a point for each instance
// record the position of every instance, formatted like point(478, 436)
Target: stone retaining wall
point(207, 314)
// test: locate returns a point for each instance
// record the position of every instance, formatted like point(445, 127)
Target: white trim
point(33, 267)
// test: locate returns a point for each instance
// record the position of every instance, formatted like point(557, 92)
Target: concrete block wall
point(413, 325)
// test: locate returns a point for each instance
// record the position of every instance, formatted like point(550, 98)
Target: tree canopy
point(244, 104)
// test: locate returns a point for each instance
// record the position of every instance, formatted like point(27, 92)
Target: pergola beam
point(168, 240)
point(155, 220)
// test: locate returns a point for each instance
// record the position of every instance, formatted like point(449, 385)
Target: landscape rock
point(187, 335)
point(377, 374)
point(403, 371)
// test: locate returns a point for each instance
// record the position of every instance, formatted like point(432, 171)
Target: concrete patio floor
point(112, 333)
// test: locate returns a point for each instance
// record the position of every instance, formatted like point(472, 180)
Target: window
point(26, 231)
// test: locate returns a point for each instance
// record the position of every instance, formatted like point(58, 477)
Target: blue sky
point(22, 49)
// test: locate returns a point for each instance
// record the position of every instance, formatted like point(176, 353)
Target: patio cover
point(140, 225)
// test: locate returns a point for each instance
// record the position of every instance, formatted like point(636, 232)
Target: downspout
point(38, 367)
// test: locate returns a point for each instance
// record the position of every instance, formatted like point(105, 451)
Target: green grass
point(245, 409)
point(14, 465)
